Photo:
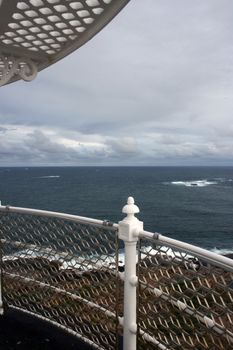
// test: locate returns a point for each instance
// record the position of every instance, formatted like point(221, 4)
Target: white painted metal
point(129, 229)
point(206, 255)
point(152, 340)
point(43, 285)
point(205, 320)
point(40, 284)
point(58, 215)
point(10, 66)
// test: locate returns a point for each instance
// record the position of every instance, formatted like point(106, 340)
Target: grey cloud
point(50, 150)
point(38, 149)
point(45, 148)
point(161, 74)
point(126, 146)
point(3, 130)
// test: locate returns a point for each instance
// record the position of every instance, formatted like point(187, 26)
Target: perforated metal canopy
point(36, 33)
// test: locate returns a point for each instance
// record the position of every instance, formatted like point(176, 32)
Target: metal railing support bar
point(189, 311)
point(208, 256)
point(129, 228)
point(53, 214)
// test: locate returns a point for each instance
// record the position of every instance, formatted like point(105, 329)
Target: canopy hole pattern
point(46, 25)
point(37, 33)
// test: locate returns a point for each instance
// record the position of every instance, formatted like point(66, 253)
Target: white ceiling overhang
point(37, 33)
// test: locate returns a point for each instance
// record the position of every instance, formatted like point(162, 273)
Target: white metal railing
point(58, 215)
point(61, 268)
point(67, 269)
point(203, 254)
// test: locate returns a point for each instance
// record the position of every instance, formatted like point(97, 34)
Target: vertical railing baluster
point(139, 288)
point(129, 229)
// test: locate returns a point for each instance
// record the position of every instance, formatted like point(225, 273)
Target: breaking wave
point(200, 183)
point(67, 261)
point(83, 263)
point(194, 183)
point(223, 251)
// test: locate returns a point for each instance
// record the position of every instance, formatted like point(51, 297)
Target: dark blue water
point(193, 204)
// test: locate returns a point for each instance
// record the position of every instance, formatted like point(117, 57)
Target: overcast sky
point(155, 87)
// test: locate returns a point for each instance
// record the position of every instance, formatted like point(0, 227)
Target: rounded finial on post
point(130, 200)
point(130, 209)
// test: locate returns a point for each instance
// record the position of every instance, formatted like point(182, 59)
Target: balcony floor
point(19, 331)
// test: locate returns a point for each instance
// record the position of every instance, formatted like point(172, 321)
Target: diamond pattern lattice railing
point(184, 301)
point(64, 271)
point(72, 271)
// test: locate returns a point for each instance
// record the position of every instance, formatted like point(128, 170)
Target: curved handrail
point(203, 254)
point(58, 215)
point(73, 243)
point(174, 259)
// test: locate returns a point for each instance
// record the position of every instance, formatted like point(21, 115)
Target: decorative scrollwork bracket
point(13, 68)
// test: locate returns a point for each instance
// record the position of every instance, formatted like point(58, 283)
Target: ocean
point(192, 204)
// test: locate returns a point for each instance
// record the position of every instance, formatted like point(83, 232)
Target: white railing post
point(129, 229)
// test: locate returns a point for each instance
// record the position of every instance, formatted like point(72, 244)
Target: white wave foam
point(222, 179)
point(67, 261)
point(194, 183)
point(46, 253)
point(83, 264)
point(220, 251)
